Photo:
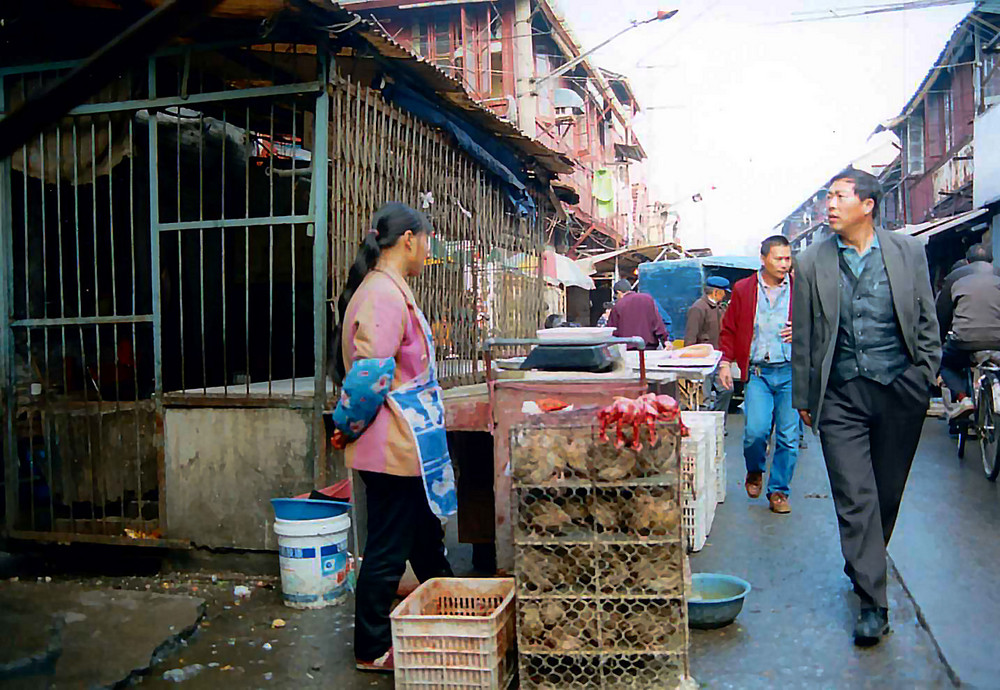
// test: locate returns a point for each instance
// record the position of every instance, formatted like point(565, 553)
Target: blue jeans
point(768, 404)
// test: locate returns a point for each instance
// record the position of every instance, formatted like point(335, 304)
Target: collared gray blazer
point(816, 313)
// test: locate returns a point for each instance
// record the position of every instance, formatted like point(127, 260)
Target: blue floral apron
point(420, 403)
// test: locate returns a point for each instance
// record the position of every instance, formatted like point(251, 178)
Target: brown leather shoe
point(779, 503)
point(754, 484)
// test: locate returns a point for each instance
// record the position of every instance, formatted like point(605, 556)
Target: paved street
point(794, 631)
point(947, 550)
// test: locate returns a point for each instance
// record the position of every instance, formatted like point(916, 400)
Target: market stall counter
point(508, 399)
point(686, 378)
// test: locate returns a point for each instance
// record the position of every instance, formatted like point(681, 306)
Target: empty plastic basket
point(456, 633)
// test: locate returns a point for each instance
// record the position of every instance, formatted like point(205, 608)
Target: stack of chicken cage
point(599, 556)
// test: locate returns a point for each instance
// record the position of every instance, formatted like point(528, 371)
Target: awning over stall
point(925, 231)
point(563, 270)
point(628, 259)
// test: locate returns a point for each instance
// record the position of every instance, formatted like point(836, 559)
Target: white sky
point(765, 112)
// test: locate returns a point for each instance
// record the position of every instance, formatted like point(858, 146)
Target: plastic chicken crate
point(695, 456)
point(720, 480)
point(456, 633)
point(697, 522)
point(716, 423)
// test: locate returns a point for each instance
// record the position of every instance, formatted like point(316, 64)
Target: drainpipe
point(977, 75)
point(524, 68)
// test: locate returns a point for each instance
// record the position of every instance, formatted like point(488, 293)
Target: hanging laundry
point(604, 192)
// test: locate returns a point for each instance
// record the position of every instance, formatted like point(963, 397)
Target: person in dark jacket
point(971, 323)
point(945, 302)
point(756, 335)
point(635, 314)
point(865, 352)
point(704, 323)
point(704, 317)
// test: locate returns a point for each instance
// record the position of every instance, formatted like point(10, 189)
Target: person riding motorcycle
point(970, 323)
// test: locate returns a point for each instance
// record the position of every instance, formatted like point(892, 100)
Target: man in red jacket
point(757, 335)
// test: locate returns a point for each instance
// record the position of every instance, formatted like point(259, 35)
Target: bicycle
point(984, 376)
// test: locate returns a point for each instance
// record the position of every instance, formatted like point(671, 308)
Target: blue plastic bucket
point(307, 508)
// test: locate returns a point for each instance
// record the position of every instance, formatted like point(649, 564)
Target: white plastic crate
point(456, 633)
point(715, 422)
point(713, 425)
point(711, 503)
point(695, 452)
point(720, 480)
point(696, 523)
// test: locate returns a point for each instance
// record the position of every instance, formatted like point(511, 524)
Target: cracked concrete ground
point(115, 632)
point(68, 635)
point(234, 641)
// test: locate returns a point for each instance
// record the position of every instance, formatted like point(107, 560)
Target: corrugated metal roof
point(924, 231)
point(452, 91)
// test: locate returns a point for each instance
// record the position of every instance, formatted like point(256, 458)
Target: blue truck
point(676, 284)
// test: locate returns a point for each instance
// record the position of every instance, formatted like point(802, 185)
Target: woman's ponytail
point(391, 222)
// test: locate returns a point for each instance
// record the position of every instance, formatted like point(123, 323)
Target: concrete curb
point(952, 673)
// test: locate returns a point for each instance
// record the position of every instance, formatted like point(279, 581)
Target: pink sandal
point(384, 664)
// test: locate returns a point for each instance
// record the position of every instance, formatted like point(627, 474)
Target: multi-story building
point(514, 57)
point(930, 191)
point(930, 181)
point(936, 125)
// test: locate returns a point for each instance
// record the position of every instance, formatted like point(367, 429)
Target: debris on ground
point(278, 623)
point(179, 675)
point(241, 592)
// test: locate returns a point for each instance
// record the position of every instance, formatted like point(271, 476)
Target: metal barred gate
point(151, 271)
point(151, 265)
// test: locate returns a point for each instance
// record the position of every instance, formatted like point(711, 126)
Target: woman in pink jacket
point(390, 421)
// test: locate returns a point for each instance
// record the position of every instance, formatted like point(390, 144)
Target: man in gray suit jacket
point(865, 351)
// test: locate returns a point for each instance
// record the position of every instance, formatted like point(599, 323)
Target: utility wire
point(875, 9)
point(679, 31)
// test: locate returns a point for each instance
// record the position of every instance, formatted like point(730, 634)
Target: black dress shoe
point(872, 626)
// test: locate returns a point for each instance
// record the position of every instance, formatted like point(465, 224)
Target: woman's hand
point(338, 440)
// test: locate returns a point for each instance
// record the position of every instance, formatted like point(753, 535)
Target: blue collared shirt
point(856, 261)
point(772, 315)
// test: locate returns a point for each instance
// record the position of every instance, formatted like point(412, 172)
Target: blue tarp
point(484, 148)
point(675, 285)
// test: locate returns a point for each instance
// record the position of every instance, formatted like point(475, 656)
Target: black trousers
point(955, 364)
point(401, 528)
point(869, 434)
